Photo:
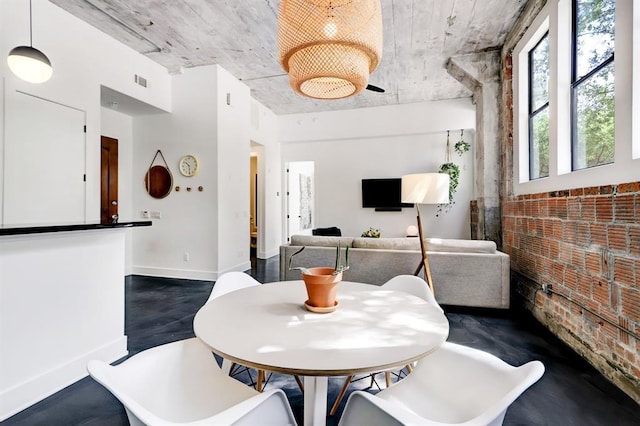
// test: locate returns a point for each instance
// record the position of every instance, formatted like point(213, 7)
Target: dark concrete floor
point(160, 310)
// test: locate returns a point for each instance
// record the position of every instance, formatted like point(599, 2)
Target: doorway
point(253, 205)
point(108, 180)
point(300, 198)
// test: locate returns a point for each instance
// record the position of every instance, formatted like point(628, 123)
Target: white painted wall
point(212, 226)
point(120, 126)
point(233, 146)
point(83, 58)
point(348, 146)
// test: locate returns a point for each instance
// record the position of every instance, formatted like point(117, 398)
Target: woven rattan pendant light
point(329, 47)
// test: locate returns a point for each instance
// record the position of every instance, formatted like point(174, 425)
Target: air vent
point(141, 80)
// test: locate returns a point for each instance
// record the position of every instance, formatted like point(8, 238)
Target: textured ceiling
point(241, 36)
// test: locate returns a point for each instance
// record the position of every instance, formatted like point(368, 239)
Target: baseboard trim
point(25, 394)
point(187, 274)
point(269, 254)
point(174, 273)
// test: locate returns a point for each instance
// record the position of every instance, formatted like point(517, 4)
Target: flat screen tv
point(383, 194)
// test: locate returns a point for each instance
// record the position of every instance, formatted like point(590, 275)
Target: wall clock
point(188, 165)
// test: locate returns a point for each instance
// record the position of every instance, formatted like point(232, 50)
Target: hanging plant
point(461, 146)
point(453, 170)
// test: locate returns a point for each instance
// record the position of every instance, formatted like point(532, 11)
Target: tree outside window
point(593, 83)
point(539, 109)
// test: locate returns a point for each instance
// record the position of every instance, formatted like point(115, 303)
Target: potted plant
point(322, 282)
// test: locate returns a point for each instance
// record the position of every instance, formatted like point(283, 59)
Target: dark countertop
point(87, 226)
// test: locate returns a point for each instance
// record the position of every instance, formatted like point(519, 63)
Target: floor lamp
point(425, 188)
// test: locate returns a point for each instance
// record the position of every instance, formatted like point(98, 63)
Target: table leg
point(315, 400)
point(226, 366)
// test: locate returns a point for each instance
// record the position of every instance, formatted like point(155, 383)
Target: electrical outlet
point(156, 215)
point(546, 288)
point(185, 256)
point(145, 214)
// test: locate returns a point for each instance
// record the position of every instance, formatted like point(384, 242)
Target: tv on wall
point(383, 194)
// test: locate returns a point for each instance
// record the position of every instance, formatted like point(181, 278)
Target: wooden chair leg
point(387, 378)
point(300, 384)
point(260, 380)
point(336, 404)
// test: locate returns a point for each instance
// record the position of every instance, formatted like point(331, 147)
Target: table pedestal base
point(315, 400)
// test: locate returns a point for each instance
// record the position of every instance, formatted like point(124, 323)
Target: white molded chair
point(181, 383)
point(456, 385)
point(226, 283)
point(409, 284)
point(231, 281)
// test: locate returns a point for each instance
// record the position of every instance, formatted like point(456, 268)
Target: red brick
point(553, 249)
point(629, 187)
point(576, 192)
point(634, 240)
point(578, 256)
point(630, 303)
point(558, 273)
point(617, 237)
point(573, 208)
point(569, 233)
point(583, 234)
point(601, 292)
point(604, 209)
point(599, 234)
point(624, 208)
point(592, 190)
point(606, 190)
point(584, 284)
point(592, 263)
point(565, 253)
point(570, 279)
point(623, 271)
point(588, 209)
point(561, 208)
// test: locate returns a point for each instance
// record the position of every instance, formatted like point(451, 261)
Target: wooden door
point(108, 180)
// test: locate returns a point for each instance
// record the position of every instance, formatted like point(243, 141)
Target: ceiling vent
point(141, 80)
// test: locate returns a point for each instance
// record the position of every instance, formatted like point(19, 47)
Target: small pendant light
point(27, 62)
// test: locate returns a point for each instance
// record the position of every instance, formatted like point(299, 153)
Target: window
point(539, 109)
point(593, 83)
point(570, 129)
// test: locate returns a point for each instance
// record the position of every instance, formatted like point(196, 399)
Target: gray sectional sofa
point(465, 272)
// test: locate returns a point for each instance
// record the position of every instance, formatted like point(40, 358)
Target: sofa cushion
point(460, 246)
point(320, 241)
point(387, 243)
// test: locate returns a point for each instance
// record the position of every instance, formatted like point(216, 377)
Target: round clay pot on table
point(322, 287)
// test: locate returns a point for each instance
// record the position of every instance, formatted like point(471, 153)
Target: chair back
point(458, 384)
point(231, 281)
point(412, 285)
point(181, 383)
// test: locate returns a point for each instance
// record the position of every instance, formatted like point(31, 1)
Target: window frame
point(533, 113)
point(577, 82)
point(556, 16)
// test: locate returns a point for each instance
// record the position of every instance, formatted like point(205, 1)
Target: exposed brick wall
point(585, 242)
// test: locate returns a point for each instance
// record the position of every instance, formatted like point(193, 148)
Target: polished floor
point(160, 310)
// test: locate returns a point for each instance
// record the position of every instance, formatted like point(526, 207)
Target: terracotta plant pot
point(322, 287)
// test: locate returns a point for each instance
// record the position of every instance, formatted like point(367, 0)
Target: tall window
point(593, 79)
point(539, 109)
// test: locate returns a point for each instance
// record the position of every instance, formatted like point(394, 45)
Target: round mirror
point(158, 181)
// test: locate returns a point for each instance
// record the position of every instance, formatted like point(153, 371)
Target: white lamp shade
point(425, 188)
point(29, 64)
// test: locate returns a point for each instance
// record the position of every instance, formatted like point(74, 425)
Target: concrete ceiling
point(241, 36)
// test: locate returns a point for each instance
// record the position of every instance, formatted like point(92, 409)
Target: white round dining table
point(267, 327)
